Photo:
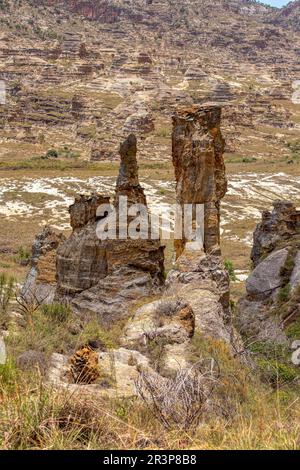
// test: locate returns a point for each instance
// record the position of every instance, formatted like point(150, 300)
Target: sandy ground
point(28, 203)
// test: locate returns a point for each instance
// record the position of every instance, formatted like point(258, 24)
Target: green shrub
point(230, 268)
point(277, 373)
point(52, 153)
point(284, 293)
point(293, 331)
point(249, 159)
point(57, 312)
point(24, 255)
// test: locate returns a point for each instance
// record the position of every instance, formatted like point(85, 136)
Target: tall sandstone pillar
point(197, 152)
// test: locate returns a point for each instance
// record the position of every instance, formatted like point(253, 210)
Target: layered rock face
point(197, 289)
point(104, 276)
point(272, 303)
point(41, 279)
point(199, 276)
point(128, 182)
point(197, 154)
point(276, 226)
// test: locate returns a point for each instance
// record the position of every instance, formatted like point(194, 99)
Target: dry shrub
point(180, 400)
point(7, 289)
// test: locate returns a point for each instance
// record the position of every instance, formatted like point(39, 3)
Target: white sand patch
point(15, 208)
point(248, 195)
point(241, 275)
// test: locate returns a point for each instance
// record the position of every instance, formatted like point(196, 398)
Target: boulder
point(170, 319)
point(119, 369)
point(202, 281)
point(266, 277)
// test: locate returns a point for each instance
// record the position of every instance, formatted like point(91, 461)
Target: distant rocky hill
point(81, 75)
point(288, 16)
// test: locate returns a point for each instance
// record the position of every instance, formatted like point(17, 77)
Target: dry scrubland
point(75, 90)
point(259, 414)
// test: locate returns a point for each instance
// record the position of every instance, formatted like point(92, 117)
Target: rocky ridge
point(82, 74)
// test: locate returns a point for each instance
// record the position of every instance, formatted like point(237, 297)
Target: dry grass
point(33, 416)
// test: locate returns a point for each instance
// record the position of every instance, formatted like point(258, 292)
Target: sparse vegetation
point(284, 294)
point(7, 291)
point(230, 268)
point(23, 256)
point(57, 312)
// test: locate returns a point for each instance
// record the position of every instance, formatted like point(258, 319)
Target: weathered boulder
point(170, 319)
point(267, 277)
point(119, 370)
point(276, 227)
point(41, 279)
point(201, 280)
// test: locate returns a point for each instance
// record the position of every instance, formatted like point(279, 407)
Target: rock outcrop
point(103, 277)
point(40, 282)
point(276, 227)
point(106, 277)
point(197, 152)
point(197, 294)
point(272, 302)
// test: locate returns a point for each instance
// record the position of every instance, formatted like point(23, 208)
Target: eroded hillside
point(80, 75)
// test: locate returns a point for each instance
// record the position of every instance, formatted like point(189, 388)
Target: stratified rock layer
point(272, 301)
point(40, 282)
point(104, 276)
point(197, 152)
point(276, 227)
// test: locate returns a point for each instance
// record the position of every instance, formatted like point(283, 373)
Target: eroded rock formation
point(272, 302)
point(103, 277)
point(41, 279)
point(199, 283)
point(197, 152)
point(276, 227)
point(107, 277)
